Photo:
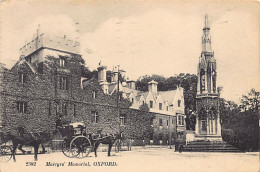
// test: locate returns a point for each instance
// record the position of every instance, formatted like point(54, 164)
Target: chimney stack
point(152, 86)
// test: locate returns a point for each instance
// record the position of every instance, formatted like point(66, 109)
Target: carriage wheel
point(118, 145)
point(67, 151)
point(6, 153)
point(82, 145)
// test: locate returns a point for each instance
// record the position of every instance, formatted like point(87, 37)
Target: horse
point(20, 147)
point(29, 139)
point(105, 139)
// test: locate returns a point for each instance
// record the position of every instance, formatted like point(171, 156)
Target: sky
point(145, 37)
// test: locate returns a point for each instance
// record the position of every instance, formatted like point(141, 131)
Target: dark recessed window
point(22, 77)
point(64, 108)
point(151, 104)
point(22, 107)
point(95, 117)
point(74, 108)
point(63, 83)
point(122, 120)
point(160, 122)
point(160, 106)
point(179, 103)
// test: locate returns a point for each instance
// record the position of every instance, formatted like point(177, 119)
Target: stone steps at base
point(225, 145)
point(207, 146)
point(221, 150)
point(212, 147)
point(206, 143)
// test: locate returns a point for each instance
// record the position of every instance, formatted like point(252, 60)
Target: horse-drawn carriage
point(5, 150)
point(78, 143)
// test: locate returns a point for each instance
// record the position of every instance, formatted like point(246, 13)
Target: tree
point(87, 73)
point(240, 124)
point(144, 107)
point(250, 101)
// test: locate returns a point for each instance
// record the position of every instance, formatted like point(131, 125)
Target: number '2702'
point(30, 163)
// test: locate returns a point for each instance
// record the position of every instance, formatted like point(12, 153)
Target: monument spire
point(206, 20)
point(208, 120)
point(206, 38)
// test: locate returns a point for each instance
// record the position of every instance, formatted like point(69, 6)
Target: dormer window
point(179, 103)
point(160, 106)
point(62, 62)
point(151, 104)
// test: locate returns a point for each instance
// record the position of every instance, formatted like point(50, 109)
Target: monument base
point(207, 138)
point(209, 143)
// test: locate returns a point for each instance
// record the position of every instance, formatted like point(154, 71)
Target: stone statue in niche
point(214, 80)
point(203, 82)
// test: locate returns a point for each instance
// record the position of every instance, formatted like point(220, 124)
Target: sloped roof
point(2, 67)
point(22, 61)
point(32, 67)
point(111, 88)
point(168, 95)
point(145, 94)
point(138, 97)
point(127, 95)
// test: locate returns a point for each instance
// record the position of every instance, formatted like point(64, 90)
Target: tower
point(102, 77)
point(207, 99)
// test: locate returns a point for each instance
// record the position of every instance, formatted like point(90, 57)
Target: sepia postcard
point(130, 85)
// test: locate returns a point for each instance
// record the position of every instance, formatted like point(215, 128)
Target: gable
point(23, 66)
point(150, 97)
point(159, 99)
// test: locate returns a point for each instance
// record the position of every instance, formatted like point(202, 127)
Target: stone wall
point(47, 103)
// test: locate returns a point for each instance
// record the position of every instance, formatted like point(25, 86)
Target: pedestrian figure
point(180, 148)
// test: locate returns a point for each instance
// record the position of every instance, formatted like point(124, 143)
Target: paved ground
point(140, 159)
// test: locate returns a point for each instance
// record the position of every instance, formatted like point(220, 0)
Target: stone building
point(168, 106)
point(45, 86)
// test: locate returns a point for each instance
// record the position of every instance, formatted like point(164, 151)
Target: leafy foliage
point(240, 124)
point(144, 107)
point(250, 101)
